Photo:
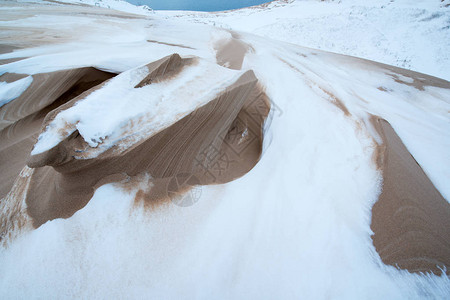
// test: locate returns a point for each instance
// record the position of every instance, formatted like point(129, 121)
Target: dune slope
point(411, 219)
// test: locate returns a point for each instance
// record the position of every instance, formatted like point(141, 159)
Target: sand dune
point(62, 184)
point(315, 170)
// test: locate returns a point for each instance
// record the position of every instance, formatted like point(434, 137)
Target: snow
point(235, 242)
point(419, 117)
point(10, 91)
point(408, 34)
point(119, 5)
point(101, 42)
point(306, 233)
point(104, 118)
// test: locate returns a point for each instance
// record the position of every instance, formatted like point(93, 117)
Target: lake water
point(197, 5)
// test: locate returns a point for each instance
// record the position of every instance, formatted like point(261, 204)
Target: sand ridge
point(411, 219)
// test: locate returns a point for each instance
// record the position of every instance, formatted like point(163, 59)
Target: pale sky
point(206, 5)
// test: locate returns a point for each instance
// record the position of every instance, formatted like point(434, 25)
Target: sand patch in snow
point(230, 52)
point(411, 219)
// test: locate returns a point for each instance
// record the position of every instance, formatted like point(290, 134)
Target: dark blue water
point(198, 5)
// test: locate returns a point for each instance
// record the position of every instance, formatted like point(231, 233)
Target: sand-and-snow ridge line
point(174, 117)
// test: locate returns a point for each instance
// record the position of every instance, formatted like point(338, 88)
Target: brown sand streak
point(14, 218)
point(411, 219)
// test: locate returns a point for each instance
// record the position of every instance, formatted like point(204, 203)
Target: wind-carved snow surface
point(296, 226)
point(420, 117)
point(104, 117)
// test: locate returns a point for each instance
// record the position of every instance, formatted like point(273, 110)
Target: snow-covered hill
point(155, 156)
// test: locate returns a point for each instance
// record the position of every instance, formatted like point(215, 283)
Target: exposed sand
point(22, 118)
point(45, 89)
point(411, 220)
point(419, 80)
point(216, 143)
point(7, 49)
point(169, 44)
point(231, 53)
point(10, 60)
point(11, 77)
point(399, 75)
point(164, 69)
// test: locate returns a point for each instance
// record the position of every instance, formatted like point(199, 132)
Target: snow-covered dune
point(148, 156)
point(408, 34)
